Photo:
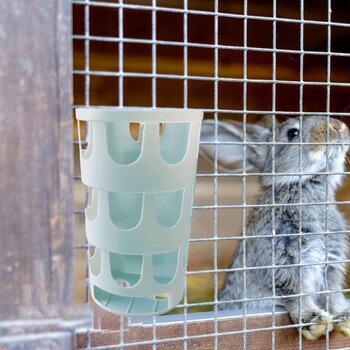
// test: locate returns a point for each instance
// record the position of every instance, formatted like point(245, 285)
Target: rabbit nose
point(336, 125)
point(339, 131)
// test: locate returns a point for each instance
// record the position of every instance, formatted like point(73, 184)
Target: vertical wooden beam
point(35, 162)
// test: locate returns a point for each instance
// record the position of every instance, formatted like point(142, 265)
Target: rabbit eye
point(292, 133)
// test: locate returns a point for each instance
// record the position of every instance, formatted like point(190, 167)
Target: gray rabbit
point(289, 236)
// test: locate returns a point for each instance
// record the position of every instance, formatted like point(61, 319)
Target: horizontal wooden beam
point(257, 332)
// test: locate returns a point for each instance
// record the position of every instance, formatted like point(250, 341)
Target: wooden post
point(36, 211)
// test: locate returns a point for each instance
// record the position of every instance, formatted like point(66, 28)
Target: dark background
point(137, 57)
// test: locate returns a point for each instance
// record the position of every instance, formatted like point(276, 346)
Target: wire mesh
point(202, 72)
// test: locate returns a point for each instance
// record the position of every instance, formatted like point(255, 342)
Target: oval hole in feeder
point(86, 143)
point(114, 302)
point(173, 142)
point(95, 260)
point(125, 209)
point(165, 266)
point(91, 209)
point(169, 207)
point(83, 132)
point(126, 268)
point(122, 147)
point(92, 250)
point(134, 129)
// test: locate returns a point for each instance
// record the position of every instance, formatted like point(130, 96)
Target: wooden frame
point(36, 209)
point(258, 337)
point(36, 212)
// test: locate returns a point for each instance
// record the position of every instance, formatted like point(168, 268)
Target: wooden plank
point(36, 213)
point(201, 334)
point(35, 159)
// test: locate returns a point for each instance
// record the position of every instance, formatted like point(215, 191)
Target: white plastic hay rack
point(139, 219)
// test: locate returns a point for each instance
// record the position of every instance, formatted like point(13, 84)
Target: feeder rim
point(137, 115)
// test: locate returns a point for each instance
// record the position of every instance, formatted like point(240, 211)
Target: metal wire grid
point(215, 111)
point(185, 45)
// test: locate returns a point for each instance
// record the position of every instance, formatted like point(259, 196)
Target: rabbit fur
point(283, 246)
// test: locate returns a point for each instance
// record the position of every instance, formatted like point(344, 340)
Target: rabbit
point(284, 246)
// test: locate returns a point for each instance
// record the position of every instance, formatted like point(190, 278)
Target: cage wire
point(86, 72)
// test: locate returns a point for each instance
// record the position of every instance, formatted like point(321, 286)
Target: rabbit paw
point(342, 325)
point(322, 320)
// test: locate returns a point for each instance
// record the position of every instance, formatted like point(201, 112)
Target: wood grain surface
point(35, 162)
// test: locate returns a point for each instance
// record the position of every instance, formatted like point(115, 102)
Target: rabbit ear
point(230, 157)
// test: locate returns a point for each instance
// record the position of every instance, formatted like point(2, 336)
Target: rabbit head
point(307, 145)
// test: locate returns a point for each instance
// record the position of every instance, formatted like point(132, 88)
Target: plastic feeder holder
point(139, 218)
